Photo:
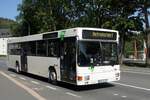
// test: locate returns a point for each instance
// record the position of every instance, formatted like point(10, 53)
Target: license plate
point(102, 81)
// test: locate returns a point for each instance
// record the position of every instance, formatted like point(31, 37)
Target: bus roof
point(68, 33)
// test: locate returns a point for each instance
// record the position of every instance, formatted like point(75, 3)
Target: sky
point(8, 8)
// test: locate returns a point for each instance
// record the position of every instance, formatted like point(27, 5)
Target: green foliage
point(126, 16)
point(49, 15)
point(6, 23)
point(129, 48)
point(142, 10)
point(38, 16)
point(130, 44)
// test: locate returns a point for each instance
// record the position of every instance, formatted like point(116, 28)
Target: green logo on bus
point(61, 35)
point(91, 68)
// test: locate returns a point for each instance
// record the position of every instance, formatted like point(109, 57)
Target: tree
point(6, 23)
point(48, 15)
point(121, 16)
point(142, 8)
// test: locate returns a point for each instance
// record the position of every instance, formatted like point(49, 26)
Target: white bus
point(79, 56)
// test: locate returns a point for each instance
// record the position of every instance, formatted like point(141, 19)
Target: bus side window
point(32, 48)
point(41, 48)
point(14, 49)
point(53, 48)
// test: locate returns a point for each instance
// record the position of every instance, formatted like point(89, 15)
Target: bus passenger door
point(24, 59)
point(68, 59)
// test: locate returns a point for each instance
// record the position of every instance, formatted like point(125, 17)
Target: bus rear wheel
point(52, 77)
point(17, 68)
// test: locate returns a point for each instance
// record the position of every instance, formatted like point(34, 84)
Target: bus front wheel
point(52, 76)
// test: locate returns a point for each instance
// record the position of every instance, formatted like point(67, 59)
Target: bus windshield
point(97, 53)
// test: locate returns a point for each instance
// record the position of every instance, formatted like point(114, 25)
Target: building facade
point(3, 46)
point(4, 35)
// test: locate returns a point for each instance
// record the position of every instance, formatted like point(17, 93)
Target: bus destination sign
point(88, 34)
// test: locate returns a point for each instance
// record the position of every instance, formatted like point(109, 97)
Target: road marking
point(34, 82)
point(12, 75)
point(35, 88)
point(71, 94)
point(51, 87)
point(30, 91)
point(124, 96)
point(132, 86)
point(22, 78)
point(116, 94)
point(137, 72)
point(38, 89)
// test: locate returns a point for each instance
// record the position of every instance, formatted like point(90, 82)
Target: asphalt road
point(134, 85)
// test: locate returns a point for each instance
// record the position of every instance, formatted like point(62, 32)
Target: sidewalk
point(3, 58)
point(135, 69)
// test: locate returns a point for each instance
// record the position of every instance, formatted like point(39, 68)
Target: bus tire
point(52, 77)
point(17, 67)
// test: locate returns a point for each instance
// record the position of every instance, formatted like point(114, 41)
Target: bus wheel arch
point(52, 75)
point(17, 65)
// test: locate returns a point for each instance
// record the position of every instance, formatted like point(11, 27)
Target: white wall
point(3, 46)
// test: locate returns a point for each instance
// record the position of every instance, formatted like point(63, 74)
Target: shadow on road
point(85, 88)
point(29, 75)
point(67, 85)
